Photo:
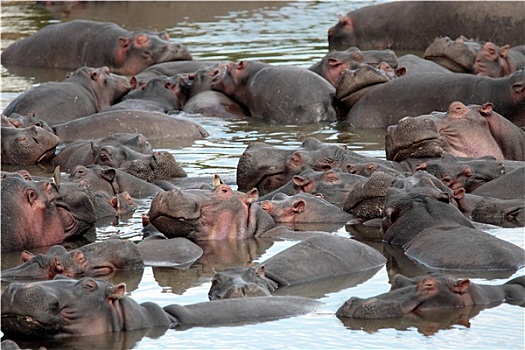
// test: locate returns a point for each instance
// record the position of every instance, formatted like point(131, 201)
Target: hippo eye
point(90, 285)
point(31, 196)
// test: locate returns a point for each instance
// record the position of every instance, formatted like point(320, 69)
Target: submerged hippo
point(457, 55)
point(391, 25)
point(124, 52)
point(66, 307)
point(21, 146)
point(432, 293)
point(464, 131)
point(333, 256)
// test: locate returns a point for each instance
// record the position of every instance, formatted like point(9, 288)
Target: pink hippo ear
point(240, 65)
point(298, 206)
point(461, 286)
point(267, 206)
point(459, 193)
point(346, 22)
point(56, 268)
point(334, 62)
point(116, 292)
point(141, 40)
point(504, 51)
point(26, 256)
point(422, 166)
point(401, 71)
point(123, 42)
point(252, 195)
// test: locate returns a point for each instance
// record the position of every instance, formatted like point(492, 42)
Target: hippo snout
point(373, 308)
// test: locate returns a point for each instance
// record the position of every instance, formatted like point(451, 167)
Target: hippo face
point(29, 145)
point(456, 55)
point(159, 166)
point(202, 214)
point(492, 61)
point(241, 282)
point(30, 217)
point(139, 50)
point(61, 307)
point(461, 131)
point(431, 292)
point(25, 121)
point(341, 36)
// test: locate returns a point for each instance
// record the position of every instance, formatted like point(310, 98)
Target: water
point(280, 33)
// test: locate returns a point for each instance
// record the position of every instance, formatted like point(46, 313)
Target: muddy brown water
point(280, 33)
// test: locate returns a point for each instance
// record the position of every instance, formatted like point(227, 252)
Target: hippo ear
point(123, 42)
point(141, 40)
point(486, 109)
point(422, 166)
point(134, 83)
point(241, 65)
point(461, 286)
point(518, 87)
point(467, 171)
point(261, 271)
point(300, 181)
point(116, 292)
point(401, 71)
point(266, 206)
point(26, 256)
point(504, 51)
point(331, 176)
point(252, 195)
point(334, 62)
point(346, 22)
point(459, 193)
point(298, 206)
point(109, 174)
point(56, 267)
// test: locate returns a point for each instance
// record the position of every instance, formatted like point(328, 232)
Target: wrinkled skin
point(507, 186)
point(112, 181)
point(414, 95)
point(464, 131)
point(29, 145)
point(432, 292)
point(161, 94)
point(494, 61)
point(161, 165)
point(334, 256)
point(391, 25)
point(336, 62)
point(32, 216)
point(85, 92)
point(437, 235)
point(247, 83)
point(456, 55)
point(267, 167)
point(333, 185)
point(153, 125)
point(209, 215)
point(95, 259)
point(124, 52)
point(65, 307)
point(303, 207)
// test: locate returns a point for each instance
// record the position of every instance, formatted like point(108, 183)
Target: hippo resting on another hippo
point(432, 293)
point(437, 235)
point(387, 103)
point(391, 25)
point(66, 307)
point(153, 125)
point(85, 92)
point(70, 45)
point(464, 131)
point(33, 216)
point(281, 94)
point(315, 258)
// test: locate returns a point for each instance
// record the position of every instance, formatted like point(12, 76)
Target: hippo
point(334, 256)
point(209, 214)
point(160, 94)
point(415, 65)
point(87, 91)
point(457, 55)
point(22, 146)
point(92, 260)
point(25, 121)
point(94, 307)
point(172, 68)
point(112, 181)
point(162, 165)
point(247, 83)
point(387, 103)
point(267, 167)
point(391, 25)
point(335, 62)
point(483, 133)
point(122, 51)
point(154, 126)
point(432, 293)
point(33, 217)
point(495, 61)
point(436, 234)
point(120, 147)
point(303, 208)
point(508, 186)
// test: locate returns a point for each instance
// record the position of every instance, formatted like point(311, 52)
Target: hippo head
point(25, 121)
point(240, 282)
point(62, 307)
point(430, 292)
point(342, 35)
point(208, 215)
point(22, 146)
point(40, 266)
point(159, 166)
point(456, 55)
point(493, 61)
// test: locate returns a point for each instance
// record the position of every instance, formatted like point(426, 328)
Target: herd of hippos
point(455, 165)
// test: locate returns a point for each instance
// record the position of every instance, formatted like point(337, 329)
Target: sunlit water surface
point(280, 33)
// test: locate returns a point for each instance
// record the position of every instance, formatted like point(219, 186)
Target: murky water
point(291, 33)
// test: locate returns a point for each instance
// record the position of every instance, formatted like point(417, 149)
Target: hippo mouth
point(26, 325)
point(47, 155)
